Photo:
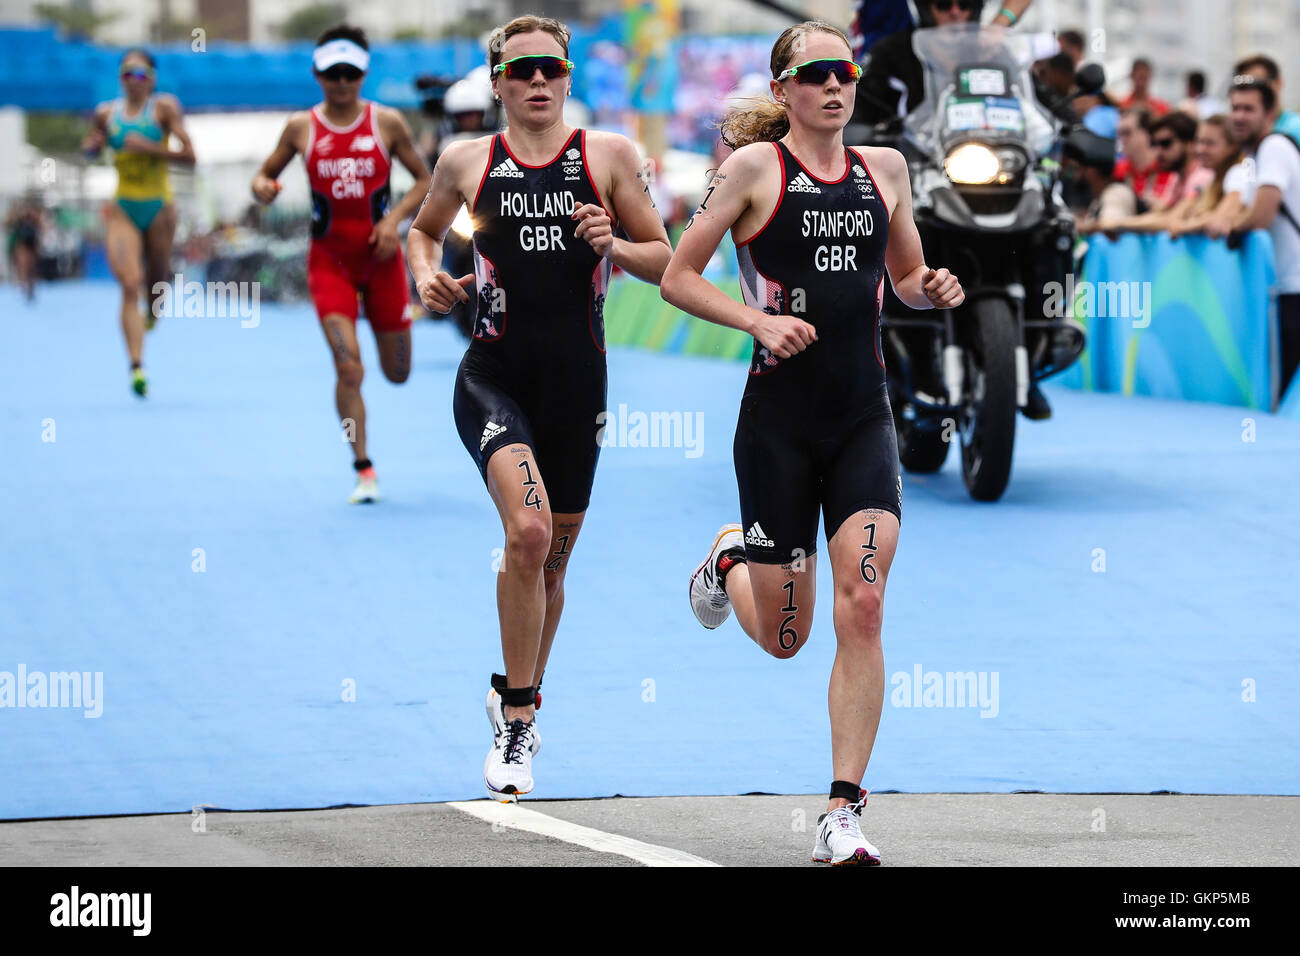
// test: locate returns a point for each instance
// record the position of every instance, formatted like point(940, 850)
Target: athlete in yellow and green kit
point(140, 222)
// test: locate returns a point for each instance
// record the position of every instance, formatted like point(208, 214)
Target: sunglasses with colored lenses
point(943, 6)
point(137, 73)
point(523, 67)
point(342, 72)
point(819, 71)
point(1162, 143)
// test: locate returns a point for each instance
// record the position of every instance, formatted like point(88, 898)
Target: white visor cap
point(340, 51)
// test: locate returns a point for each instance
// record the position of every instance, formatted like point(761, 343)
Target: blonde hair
point(526, 24)
point(758, 119)
point(1210, 198)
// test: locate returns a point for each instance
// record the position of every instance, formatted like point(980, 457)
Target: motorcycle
point(987, 206)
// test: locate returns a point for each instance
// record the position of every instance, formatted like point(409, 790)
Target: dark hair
point(1072, 37)
point(1196, 82)
point(1267, 64)
point(345, 31)
point(1180, 124)
point(1088, 149)
point(140, 52)
point(1140, 61)
point(1244, 84)
point(1062, 63)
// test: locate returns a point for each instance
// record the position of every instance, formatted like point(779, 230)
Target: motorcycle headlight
point(972, 163)
point(463, 225)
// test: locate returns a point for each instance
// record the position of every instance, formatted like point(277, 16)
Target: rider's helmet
point(926, 15)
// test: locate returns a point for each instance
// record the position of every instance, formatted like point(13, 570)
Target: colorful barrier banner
point(1176, 318)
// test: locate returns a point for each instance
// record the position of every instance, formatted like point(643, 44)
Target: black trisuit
point(816, 429)
point(534, 372)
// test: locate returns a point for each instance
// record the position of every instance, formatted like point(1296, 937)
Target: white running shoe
point(496, 711)
point(367, 489)
point(508, 769)
point(840, 841)
point(709, 601)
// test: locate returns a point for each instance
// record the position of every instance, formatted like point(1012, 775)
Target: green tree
point(310, 22)
point(79, 23)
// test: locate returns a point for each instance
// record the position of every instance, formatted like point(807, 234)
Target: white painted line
point(521, 818)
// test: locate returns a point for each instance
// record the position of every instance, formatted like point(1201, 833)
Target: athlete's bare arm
point(646, 251)
point(454, 182)
point(397, 137)
point(734, 199)
point(97, 137)
point(293, 140)
point(171, 119)
point(915, 283)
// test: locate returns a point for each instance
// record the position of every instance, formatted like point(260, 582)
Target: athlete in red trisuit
point(346, 143)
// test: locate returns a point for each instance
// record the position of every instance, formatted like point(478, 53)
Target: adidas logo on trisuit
point(491, 431)
point(758, 537)
point(508, 168)
point(802, 184)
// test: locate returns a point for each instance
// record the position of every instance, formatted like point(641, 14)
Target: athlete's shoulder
point(885, 158)
point(465, 153)
point(388, 116)
point(753, 158)
point(614, 145)
point(167, 103)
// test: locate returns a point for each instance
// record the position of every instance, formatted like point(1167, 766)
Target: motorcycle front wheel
point(989, 435)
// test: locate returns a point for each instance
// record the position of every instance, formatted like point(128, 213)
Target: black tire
point(989, 439)
point(919, 450)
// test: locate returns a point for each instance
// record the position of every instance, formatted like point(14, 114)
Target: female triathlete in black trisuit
point(816, 226)
point(546, 201)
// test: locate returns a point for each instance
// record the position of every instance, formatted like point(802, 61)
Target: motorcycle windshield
point(977, 86)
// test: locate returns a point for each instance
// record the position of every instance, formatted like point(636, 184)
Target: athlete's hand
point(783, 335)
point(383, 238)
point(594, 225)
point(94, 142)
point(443, 291)
point(942, 289)
point(133, 142)
point(265, 189)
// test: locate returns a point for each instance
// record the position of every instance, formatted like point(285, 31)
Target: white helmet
point(467, 96)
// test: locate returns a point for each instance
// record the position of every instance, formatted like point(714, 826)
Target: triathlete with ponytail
point(817, 226)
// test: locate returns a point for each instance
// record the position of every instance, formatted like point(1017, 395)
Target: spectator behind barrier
point(1263, 68)
point(1217, 151)
point(1140, 80)
point(1072, 46)
point(1089, 159)
point(1200, 105)
point(1172, 136)
point(1274, 204)
point(1138, 167)
point(1093, 103)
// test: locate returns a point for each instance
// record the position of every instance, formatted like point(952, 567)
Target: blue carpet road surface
point(1127, 614)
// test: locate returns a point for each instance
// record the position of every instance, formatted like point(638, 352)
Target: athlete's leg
point(774, 603)
point(564, 532)
point(861, 553)
point(124, 245)
point(158, 241)
point(341, 336)
point(516, 486)
point(394, 355)
point(386, 300)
